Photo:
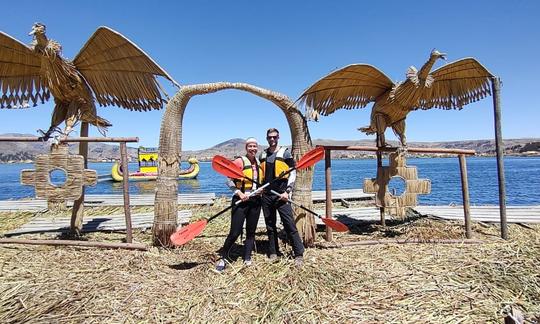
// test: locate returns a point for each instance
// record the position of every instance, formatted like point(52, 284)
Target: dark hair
point(272, 130)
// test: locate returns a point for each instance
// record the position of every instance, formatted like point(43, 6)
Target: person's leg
point(252, 218)
point(287, 218)
point(237, 222)
point(269, 212)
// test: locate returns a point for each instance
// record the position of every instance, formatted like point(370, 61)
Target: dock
point(93, 224)
point(484, 214)
point(39, 205)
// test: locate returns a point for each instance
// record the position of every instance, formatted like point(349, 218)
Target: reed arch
point(170, 147)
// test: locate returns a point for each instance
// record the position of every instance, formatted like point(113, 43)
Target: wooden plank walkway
point(148, 200)
point(486, 214)
point(93, 224)
point(345, 194)
point(107, 200)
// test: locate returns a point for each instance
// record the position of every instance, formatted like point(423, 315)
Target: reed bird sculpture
point(449, 87)
point(109, 69)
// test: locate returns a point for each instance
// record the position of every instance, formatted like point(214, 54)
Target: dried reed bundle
point(383, 283)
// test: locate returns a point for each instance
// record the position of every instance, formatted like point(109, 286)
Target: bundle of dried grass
point(382, 283)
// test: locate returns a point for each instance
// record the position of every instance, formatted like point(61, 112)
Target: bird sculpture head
point(38, 29)
point(436, 54)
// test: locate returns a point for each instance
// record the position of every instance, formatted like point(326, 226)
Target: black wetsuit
point(271, 203)
point(248, 211)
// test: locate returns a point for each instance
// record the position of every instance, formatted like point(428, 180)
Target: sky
point(286, 46)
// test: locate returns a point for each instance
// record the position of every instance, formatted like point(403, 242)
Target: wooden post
point(496, 87)
point(379, 169)
point(77, 213)
point(125, 174)
point(465, 195)
point(328, 183)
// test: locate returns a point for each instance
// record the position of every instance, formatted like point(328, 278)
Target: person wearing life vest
point(250, 207)
point(274, 161)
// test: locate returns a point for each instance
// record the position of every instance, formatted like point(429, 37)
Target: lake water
point(522, 180)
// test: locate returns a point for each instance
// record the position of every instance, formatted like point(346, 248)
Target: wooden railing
point(462, 164)
point(78, 206)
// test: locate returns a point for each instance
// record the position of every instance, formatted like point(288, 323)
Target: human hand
point(242, 196)
point(284, 196)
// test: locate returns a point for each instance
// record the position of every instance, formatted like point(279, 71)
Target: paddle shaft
point(297, 204)
point(236, 203)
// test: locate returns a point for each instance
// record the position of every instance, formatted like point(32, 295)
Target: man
point(274, 161)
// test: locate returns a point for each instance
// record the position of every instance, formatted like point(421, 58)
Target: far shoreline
point(373, 157)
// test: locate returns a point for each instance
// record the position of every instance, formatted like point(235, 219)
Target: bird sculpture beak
point(443, 56)
point(32, 32)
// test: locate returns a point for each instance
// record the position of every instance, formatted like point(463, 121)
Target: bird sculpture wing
point(20, 81)
point(456, 85)
point(120, 73)
point(353, 86)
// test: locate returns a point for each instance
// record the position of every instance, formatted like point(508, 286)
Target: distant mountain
point(26, 151)
point(521, 146)
point(230, 148)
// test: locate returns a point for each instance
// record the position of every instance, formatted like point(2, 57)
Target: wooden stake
point(125, 174)
point(328, 183)
point(496, 86)
point(465, 195)
point(77, 213)
point(379, 168)
point(105, 245)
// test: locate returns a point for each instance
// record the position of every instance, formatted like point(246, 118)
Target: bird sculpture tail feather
point(368, 130)
point(102, 124)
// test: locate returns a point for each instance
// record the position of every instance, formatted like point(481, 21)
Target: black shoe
point(220, 265)
point(299, 261)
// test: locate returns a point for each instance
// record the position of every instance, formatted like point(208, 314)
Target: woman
point(249, 207)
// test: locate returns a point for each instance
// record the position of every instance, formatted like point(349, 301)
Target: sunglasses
point(272, 136)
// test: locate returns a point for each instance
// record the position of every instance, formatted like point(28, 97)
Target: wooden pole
point(77, 213)
point(465, 195)
point(70, 139)
point(379, 169)
point(328, 183)
point(105, 245)
point(125, 174)
point(496, 86)
point(394, 149)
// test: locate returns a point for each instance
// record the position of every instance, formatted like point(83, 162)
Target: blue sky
point(286, 46)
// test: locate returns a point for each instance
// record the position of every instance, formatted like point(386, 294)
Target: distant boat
point(148, 158)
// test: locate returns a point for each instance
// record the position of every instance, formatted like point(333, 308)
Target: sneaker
point(299, 261)
point(248, 263)
point(272, 257)
point(220, 265)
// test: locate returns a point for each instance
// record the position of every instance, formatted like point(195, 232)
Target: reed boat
point(148, 159)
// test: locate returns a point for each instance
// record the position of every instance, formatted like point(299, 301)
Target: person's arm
point(292, 176)
point(232, 186)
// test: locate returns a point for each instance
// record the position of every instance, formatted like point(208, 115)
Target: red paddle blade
point(310, 158)
point(226, 167)
point(188, 233)
point(334, 224)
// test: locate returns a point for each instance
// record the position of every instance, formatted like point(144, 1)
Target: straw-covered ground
point(428, 282)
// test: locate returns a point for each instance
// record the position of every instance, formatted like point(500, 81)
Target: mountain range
point(26, 151)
